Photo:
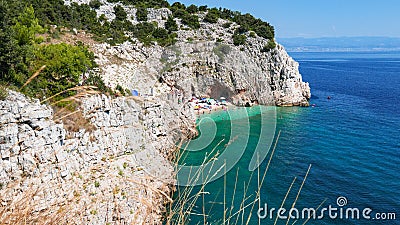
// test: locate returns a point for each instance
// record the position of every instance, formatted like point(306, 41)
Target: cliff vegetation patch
point(221, 50)
point(23, 54)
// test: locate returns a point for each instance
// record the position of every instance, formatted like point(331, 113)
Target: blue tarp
point(135, 93)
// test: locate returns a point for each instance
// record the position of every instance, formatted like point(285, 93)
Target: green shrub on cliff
point(3, 94)
point(144, 3)
point(221, 50)
point(21, 56)
point(64, 65)
point(141, 14)
point(227, 25)
point(212, 16)
point(192, 9)
point(239, 39)
point(148, 32)
point(95, 80)
point(171, 24)
point(177, 5)
point(84, 17)
point(270, 45)
point(120, 13)
point(191, 21)
point(180, 11)
point(246, 21)
point(265, 31)
point(203, 8)
point(95, 4)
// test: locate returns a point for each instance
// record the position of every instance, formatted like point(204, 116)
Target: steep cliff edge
point(203, 61)
point(118, 173)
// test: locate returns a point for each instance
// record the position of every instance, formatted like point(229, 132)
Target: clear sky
point(319, 18)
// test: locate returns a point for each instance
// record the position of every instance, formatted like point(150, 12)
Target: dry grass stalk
point(319, 206)
point(264, 175)
point(185, 202)
point(298, 193)
point(284, 199)
point(25, 210)
point(33, 76)
point(151, 188)
point(85, 89)
point(74, 121)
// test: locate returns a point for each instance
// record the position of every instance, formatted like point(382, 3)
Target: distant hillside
point(332, 44)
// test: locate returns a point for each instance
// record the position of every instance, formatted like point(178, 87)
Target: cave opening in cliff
point(218, 90)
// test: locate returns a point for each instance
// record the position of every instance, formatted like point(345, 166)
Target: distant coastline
point(341, 44)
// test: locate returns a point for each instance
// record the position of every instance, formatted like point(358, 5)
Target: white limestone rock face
point(202, 62)
point(117, 173)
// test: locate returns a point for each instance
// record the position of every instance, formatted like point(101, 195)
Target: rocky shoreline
point(118, 172)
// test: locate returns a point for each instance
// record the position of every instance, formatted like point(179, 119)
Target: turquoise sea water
point(352, 142)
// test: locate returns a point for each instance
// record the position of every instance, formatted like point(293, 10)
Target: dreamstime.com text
point(331, 212)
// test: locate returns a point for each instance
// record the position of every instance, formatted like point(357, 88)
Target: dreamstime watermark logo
point(341, 201)
point(338, 211)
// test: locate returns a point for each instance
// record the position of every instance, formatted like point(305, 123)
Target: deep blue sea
point(351, 141)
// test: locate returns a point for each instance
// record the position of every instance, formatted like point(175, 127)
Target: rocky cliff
point(115, 173)
point(118, 172)
point(203, 62)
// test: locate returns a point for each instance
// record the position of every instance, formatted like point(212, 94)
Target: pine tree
point(171, 25)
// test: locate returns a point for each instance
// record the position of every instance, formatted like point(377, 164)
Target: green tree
point(26, 27)
point(192, 9)
point(120, 13)
point(178, 5)
point(163, 38)
point(212, 16)
point(143, 32)
point(227, 25)
point(180, 13)
point(168, 41)
point(226, 14)
point(95, 4)
point(265, 31)
point(17, 37)
point(192, 21)
point(269, 46)
point(148, 32)
point(239, 39)
point(203, 8)
point(64, 65)
point(160, 33)
point(141, 14)
point(171, 25)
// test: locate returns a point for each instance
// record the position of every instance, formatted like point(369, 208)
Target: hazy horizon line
point(321, 37)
